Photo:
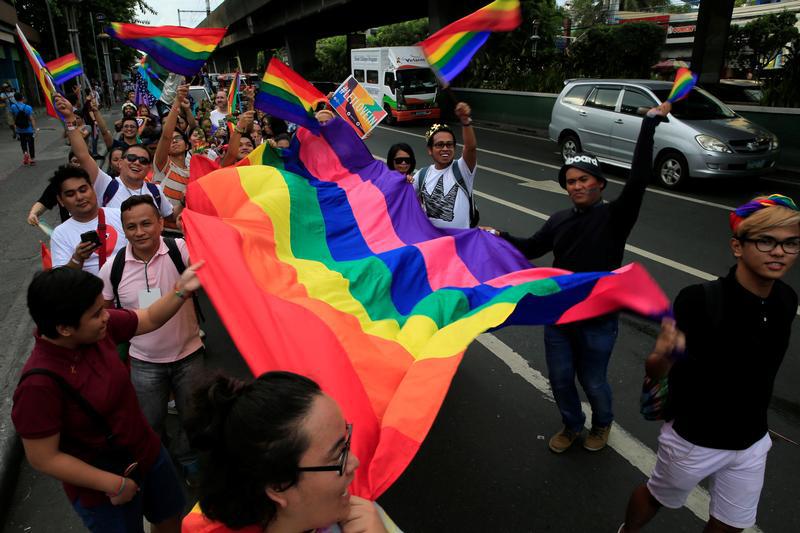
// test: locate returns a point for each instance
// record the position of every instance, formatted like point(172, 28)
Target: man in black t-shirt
point(735, 332)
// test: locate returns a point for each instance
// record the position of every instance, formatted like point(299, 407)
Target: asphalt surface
point(485, 465)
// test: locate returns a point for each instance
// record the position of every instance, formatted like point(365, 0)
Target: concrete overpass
point(256, 25)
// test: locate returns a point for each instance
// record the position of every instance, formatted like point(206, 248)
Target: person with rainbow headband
point(719, 357)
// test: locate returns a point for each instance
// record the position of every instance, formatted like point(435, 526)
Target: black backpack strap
point(461, 183)
point(116, 275)
point(177, 260)
point(75, 396)
point(421, 183)
point(155, 192)
point(110, 191)
point(715, 305)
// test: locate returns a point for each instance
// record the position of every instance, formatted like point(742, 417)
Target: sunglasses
point(402, 160)
point(130, 158)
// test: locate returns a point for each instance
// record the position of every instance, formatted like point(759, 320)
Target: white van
point(400, 78)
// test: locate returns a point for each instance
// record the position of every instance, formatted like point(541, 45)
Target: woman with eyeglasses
point(401, 158)
point(277, 458)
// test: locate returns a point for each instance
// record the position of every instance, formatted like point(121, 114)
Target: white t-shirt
point(218, 119)
point(67, 236)
point(123, 193)
point(446, 203)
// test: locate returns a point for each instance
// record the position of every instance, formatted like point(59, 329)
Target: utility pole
point(72, 29)
point(52, 28)
point(96, 51)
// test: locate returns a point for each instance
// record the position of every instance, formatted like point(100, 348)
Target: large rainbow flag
point(450, 49)
point(283, 93)
point(180, 50)
point(321, 262)
point(42, 74)
point(65, 68)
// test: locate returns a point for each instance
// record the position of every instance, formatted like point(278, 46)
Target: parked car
point(737, 92)
point(702, 137)
point(199, 94)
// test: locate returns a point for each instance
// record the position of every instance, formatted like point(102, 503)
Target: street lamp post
point(72, 28)
point(104, 38)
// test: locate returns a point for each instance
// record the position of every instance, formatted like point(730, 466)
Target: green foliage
point(34, 13)
point(586, 14)
point(334, 64)
point(757, 43)
point(620, 51)
point(784, 90)
point(402, 34)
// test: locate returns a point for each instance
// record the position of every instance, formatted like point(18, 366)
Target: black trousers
point(27, 143)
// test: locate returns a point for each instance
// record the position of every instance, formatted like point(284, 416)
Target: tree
point(586, 14)
point(784, 90)
point(759, 42)
point(402, 34)
point(620, 51)
point(334, 65)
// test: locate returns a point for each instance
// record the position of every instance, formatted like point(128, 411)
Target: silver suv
point(702, 137)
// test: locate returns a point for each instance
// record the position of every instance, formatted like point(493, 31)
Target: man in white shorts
point(720, 357)
point(445, 188)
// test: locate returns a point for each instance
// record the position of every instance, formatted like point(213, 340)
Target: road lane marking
point(621, 441)
point(666, 261)
point(551, 166)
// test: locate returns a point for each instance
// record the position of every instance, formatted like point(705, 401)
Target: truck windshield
point(416, 81)
point(699, 105)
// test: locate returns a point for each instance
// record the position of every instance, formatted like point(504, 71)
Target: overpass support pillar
point(302, 53)
point(711, 37)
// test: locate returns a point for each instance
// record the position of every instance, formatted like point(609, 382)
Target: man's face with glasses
point(768, 254)
point(443, 148)
point(135, 163)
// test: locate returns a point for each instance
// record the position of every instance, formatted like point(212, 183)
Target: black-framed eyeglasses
point(444, 144)
point(130, 158)
point(402, 160)
point(767, 244)
point(341, 464)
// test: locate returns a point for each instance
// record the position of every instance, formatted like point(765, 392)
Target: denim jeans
point(153, 383)
point(582, 349)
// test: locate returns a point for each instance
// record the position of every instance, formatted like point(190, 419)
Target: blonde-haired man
point(720, 357)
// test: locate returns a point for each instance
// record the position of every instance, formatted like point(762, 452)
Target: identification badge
point(146, 298)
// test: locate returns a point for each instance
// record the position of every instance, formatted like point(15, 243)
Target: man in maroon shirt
point(76, 340)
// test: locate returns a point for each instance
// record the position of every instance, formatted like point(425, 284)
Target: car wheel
point(672, 170)
point(389, 120)
point(570, 145)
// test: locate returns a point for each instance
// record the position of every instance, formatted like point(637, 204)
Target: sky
point(167, 12)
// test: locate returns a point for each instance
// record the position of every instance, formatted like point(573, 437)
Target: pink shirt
point(180, 336)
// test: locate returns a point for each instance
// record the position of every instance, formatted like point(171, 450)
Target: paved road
point(485, 465)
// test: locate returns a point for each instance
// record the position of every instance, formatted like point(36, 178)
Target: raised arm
point(245, 120)
point(168, 128)
point(165, 308)
point(186, 107)
point(101, 123)
point(470, 151)
point(79, 147)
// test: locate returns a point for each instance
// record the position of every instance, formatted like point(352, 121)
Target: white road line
point(626, 445)
point(554, 167)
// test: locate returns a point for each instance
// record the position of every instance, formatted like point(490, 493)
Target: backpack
point(113, 187)
point(474, 214)
point(21, 120)
point(174, 253)
point(654, 400)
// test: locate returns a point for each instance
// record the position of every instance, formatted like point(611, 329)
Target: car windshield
point(699, 105)
point(416, 81)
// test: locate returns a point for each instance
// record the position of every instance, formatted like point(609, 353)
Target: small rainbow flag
point(450, 49)
point(65, 68)
point(329, 247)
point(685, 80)
point(285, 94)
point(42, 74)
point(180, 50)
point(233, 94)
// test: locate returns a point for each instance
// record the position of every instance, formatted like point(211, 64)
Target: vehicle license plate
point(758, 163)
point(422, 113)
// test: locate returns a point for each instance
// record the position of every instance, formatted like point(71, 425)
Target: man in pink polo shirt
point(169, 359)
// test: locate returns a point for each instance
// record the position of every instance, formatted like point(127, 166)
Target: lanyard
point(101, 232)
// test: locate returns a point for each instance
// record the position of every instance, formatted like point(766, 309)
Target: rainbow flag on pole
point(285, 94)
point(324, 264)
point(450, 49)
point(65, 68)
point(42, 74)
point(233, 94)
point(180, 50)
point(685, 80)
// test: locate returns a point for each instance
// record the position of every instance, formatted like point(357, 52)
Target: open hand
point(189, 281)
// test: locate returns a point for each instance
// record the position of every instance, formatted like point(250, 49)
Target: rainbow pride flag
point(283, 93)
point(180, 50)
point(233, 94)
point(42, 74)
point(450, 49)
point(685, 80)
point(324, 264)
point(65, 68)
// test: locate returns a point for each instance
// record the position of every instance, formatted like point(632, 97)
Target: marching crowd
point(118, 336)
